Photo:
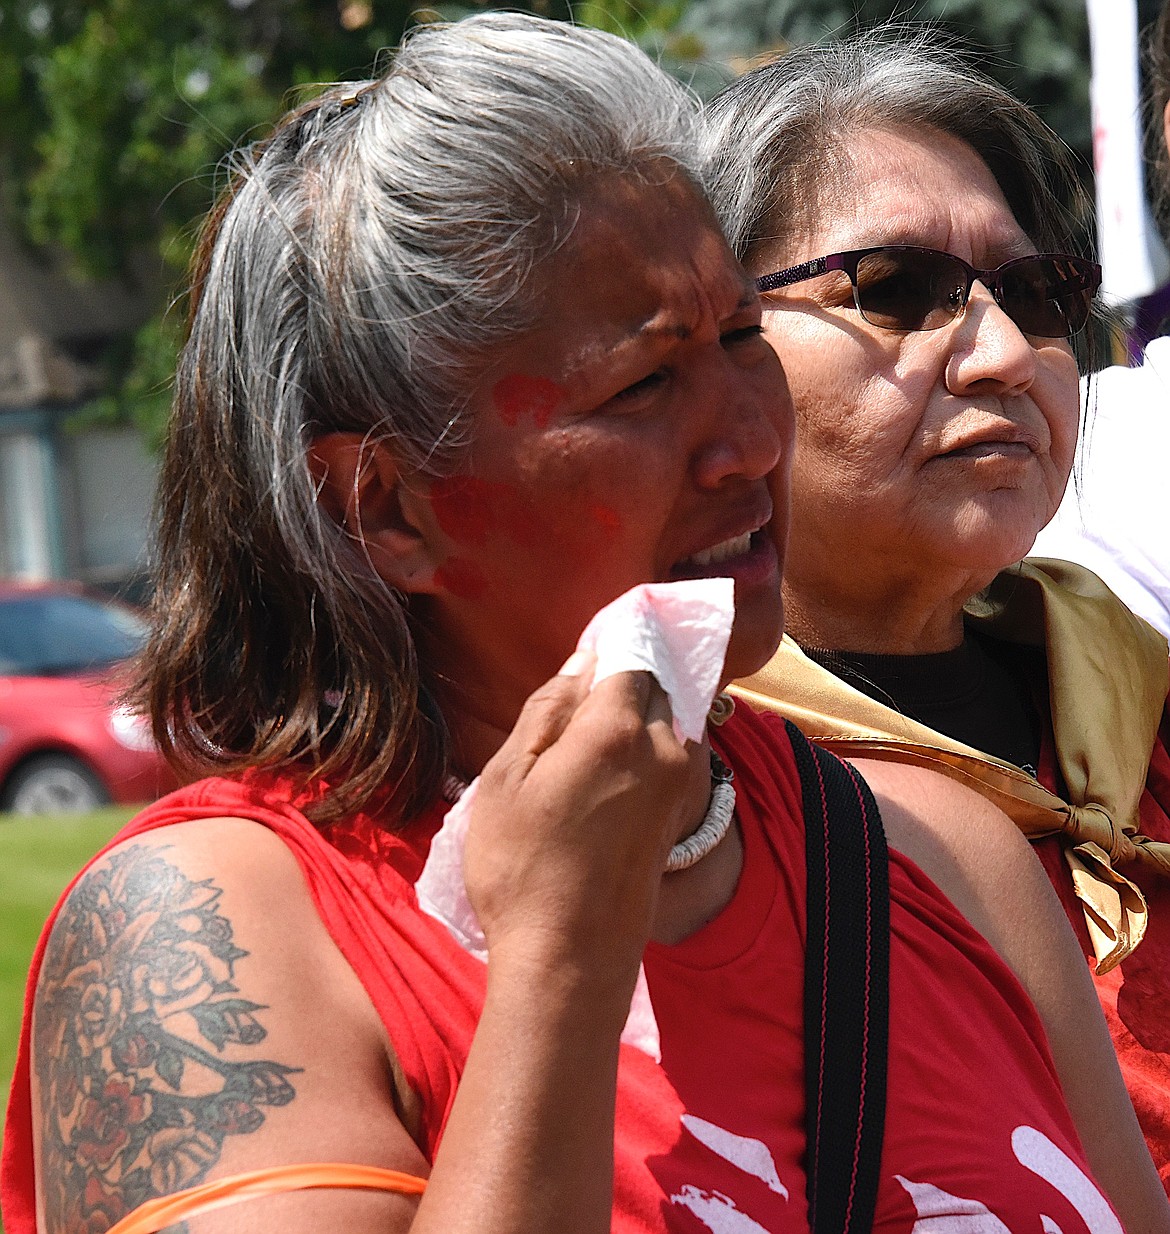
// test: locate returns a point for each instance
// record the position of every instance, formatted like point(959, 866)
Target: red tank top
point(710, 1139)
point(1135, 995)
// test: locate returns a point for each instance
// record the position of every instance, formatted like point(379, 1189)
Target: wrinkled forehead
point(636, 213)
point(645, 259)
point(898, 186)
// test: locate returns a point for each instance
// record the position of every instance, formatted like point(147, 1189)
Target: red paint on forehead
point(519, 393)
point(461, 578)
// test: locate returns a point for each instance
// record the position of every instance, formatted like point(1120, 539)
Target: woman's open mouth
point(737, 546)
point(740, 557)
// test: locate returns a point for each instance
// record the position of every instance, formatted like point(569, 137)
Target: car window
point(50, 635)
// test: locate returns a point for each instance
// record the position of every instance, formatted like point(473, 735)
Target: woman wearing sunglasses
point(907, 224)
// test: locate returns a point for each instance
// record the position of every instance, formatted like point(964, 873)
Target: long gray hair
point(366, 260)
point(774, 138)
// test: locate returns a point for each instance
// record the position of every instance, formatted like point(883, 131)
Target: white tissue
point(679, 633)
point(440, 887)
point(676, 631)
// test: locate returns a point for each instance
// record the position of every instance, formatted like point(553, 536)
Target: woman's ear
point(360, 486)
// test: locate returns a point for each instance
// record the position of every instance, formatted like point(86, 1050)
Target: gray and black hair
point(356, 276)
point(777, 137)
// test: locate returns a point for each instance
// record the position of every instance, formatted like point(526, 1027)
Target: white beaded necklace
point(715, 825)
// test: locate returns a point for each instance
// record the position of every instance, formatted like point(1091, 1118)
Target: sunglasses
point(903, 287)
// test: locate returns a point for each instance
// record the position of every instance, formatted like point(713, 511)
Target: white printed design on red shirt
point(718, 1212)
point(942, 1213)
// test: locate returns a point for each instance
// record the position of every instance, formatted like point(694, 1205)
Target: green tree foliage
point(1038, 49)
point(119, 111)
point(115, 115)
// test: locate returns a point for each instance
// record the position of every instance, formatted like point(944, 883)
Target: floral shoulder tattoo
point(142, 1042)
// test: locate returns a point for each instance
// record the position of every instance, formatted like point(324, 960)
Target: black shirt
point(983, 693)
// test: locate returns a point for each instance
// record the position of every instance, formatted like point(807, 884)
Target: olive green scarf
point(1108, 677)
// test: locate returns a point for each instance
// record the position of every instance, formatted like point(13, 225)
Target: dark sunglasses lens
point(1049, 297)
point(907, 289)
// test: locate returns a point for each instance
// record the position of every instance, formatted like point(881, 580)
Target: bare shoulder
point(962, 841)
point(917, 803)
point(979, 859)
point(194, 1018)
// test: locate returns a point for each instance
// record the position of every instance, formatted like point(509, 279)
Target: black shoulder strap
point(846, 991)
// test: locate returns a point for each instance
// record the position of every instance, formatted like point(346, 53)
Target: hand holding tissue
point(679, 633)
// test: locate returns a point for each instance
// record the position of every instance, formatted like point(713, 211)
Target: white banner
point(1131, 252)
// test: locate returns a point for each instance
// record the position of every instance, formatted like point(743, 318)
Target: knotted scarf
point(1108, 677)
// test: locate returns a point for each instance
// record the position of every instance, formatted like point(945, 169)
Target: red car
point(66, 745)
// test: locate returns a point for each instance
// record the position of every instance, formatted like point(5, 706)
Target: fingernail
point(576, 664)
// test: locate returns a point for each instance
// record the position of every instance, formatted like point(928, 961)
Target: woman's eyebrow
point(661, 324)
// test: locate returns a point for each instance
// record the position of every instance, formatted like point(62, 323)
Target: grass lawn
point(38, 857)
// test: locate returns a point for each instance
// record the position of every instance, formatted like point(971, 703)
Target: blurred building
point(74, 503)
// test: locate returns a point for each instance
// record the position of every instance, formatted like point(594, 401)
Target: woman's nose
point(991, 354)
point(751, 431)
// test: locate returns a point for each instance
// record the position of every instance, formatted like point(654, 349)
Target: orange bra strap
point(156, 1215)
